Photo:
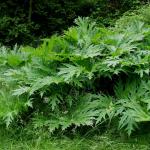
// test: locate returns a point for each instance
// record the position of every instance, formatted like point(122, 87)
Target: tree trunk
point(30, 10)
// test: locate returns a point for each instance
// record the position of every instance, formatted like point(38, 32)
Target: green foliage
point(16, 30)
point(17, 141)
point(11, 106)
point(141, 14)
point(56, 83)
point(132, 103)
point(107, 12)
point(26, 21)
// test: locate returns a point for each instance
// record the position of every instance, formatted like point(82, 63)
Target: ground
point(96, 142)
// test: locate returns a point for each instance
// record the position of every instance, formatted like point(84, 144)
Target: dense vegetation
point(104, 142)
point(80, 82)
point(26, 21)
point(87, 77)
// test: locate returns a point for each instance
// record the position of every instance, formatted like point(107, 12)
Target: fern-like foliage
point(11, 106)
point(131, 104)
point(85, 111)
point(58, 78)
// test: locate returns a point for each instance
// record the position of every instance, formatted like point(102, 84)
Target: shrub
point(107, 12)
point(56, 84)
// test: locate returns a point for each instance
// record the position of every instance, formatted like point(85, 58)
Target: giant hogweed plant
point(57, 80)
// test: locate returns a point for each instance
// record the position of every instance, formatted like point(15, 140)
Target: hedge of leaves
point(85, 77)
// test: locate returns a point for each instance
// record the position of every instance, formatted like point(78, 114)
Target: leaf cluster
point(55, 83)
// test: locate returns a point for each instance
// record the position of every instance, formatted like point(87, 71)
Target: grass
point(105, 141)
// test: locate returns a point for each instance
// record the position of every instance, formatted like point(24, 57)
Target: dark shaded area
point(25, 21)
point(47, 17)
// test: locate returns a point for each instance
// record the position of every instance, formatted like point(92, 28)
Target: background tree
point(23, 21)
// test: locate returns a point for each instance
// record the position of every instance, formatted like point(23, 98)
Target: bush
point(61, 84)
point(16, 30)
point(107, 12)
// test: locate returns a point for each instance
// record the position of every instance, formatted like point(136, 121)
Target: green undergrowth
point(105, 141)
point(90, 76)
